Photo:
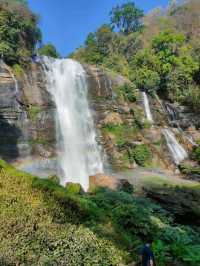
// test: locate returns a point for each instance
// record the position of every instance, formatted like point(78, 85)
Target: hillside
point(43, 223)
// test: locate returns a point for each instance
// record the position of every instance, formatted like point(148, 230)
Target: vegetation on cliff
point(43, 223)
point(19, 32)
point(158, 52)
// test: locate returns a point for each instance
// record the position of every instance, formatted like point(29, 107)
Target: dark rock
point(182, 202)
point(19, 130)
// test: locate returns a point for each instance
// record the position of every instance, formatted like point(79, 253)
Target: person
point(147, 255)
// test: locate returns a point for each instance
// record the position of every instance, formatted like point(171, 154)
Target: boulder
point(110, 182)
point(102, 180)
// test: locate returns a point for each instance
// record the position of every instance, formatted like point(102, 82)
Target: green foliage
point(141, 154)
point(18, 32)
point(42, 223)
point(163, 58)
point(54, 178)
point(192, 98)
point(127, 18)
point(122, 133)
point(49, 50)
point(128, 92)
point(33, 111)
point(146, 79)
point(196, 153)
point(73, 188)
point(18, 70)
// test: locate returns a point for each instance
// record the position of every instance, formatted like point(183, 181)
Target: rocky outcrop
point(182, 116)
point(109, 182)
point(26, 115)
point(27, 119)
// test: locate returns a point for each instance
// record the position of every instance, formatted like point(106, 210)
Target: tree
point(147, 79)
point(19, 33)
point(127, 18)
point(104, 37)
point(166, 47)
point(49, 50)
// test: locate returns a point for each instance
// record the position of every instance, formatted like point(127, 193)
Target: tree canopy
point(48, 50)
point(163, 57)
point(19, 32)
point(127, 18)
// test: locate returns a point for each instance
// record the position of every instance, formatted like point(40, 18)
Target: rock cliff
point(28, 126)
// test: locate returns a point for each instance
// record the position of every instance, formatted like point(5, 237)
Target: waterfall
point(79, 154)
point(177, 151)
point(147, 107)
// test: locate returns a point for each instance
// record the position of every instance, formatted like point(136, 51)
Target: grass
point(38, 141)
point(122, 133)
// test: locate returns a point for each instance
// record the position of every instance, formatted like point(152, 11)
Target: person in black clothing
point(147, 255)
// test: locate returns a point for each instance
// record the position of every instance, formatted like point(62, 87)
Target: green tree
point(127, 18)
point(49, 50)
point(167, 46)
point(147, 79)
point(104, 37)
point(18, 32)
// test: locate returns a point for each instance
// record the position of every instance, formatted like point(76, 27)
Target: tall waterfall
point(147, 107)
point(177, 151)
point(79, 153)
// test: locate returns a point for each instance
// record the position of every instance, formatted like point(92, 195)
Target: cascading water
point(79, 153)
point(147, 107)
point(177, 151)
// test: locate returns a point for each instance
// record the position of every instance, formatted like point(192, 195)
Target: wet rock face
point(182, 116)
point(26, 114)
point(27, 118)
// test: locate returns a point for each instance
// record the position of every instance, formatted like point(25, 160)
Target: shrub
point(141, 154)
point(74, 188)
point(197, 154)
point(18, 70)
point(128, 91)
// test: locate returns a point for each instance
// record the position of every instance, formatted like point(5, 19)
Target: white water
point(147, 107)
point(76, 137)
point(177, 151)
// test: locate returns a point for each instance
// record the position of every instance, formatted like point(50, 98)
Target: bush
point(73, 188)
point(141, 154)
point(128, 91)
point(197, 154)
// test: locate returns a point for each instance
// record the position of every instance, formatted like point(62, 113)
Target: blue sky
point(66, 23)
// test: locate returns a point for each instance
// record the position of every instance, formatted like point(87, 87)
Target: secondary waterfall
point(177, 151)
point(147, 107)
point(79, 153)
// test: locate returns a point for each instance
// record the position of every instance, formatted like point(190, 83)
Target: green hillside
point(43, 223)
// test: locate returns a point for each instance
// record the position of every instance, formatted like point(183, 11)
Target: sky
point(66, 23)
